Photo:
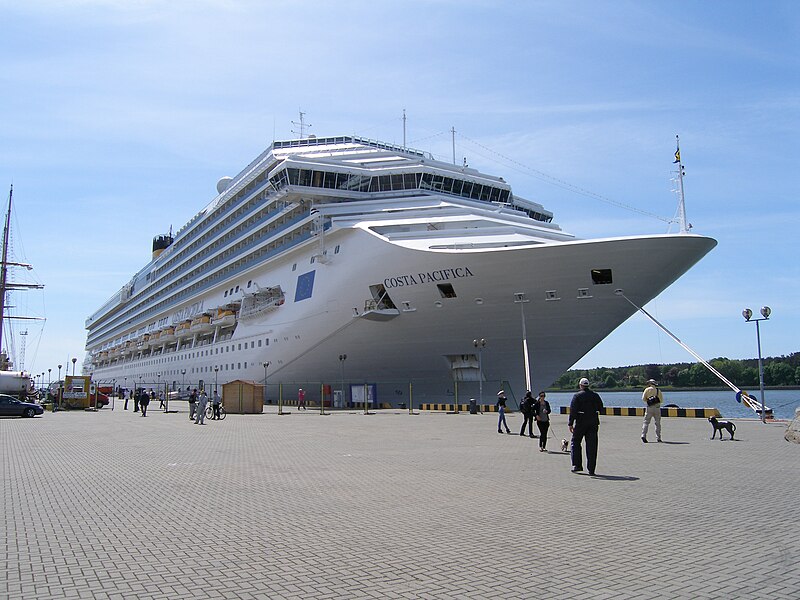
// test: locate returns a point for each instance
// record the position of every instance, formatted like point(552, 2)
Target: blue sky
point(117, 119)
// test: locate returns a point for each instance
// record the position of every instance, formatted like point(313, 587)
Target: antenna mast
point(684, 226)
point(453, 131)
point(404, 129)
point(302, 125)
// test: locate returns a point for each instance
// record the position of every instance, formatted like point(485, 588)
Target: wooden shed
point(243, 397)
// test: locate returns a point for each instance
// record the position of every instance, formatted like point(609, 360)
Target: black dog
point(730, 426)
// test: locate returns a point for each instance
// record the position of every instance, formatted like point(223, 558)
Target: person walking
point(192, 404)
point(161, 399)
point(527, 414)
point(216, 403)
point(584, 422)
point(136, 393)
point(541, 412)
point(301, 399)
point(202, 403)
point(144, 401)
point(653, 398)
point(501, 408)
point(127, 396)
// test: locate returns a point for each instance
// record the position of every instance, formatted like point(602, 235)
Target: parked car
point(11, 407)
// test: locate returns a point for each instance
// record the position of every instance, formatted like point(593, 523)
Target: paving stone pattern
point(111, 505)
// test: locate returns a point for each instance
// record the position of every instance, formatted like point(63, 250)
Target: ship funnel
point(161, 243)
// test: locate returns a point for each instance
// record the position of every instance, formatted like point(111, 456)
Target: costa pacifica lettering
point(436, 276)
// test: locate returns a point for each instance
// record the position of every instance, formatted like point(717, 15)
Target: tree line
point(778, 371)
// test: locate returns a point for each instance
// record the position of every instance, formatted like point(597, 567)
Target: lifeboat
point(142, 342)
point(182, 330)
point(224, 318)
point(201, 324)
point(167, 335)
point(155, 339)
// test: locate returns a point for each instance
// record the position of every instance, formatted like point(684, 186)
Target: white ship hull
point(435, 295)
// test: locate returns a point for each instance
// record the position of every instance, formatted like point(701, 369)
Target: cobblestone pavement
point(111, 505)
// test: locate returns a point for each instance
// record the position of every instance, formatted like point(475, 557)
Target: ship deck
point(103, 505)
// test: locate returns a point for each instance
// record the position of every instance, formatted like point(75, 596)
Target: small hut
point(243, 397)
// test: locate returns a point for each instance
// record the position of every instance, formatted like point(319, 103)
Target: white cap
point(584, 381)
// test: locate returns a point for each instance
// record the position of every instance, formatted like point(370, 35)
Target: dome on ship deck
point(223, 184)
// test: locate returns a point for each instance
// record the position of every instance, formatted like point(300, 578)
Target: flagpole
point(681, 202)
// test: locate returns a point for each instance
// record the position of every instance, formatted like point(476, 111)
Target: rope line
point(555, 181)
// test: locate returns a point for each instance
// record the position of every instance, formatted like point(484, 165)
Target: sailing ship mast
point(5, 286)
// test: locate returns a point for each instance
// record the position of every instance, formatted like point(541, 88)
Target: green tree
point(610, 381)
point(700, 376)
point(778, 373)
point(652, 372)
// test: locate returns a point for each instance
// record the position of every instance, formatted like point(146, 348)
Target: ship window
point(259, 343)
point(336, 249)
point(601, 276)
point(226, 294)
point(237, 288)
point(245, 364)
point(446, 290)
point(249, 283)
point(266, 342)
point(240, 346)
point(294, 267)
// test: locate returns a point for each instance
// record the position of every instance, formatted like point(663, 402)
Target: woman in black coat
point(541, 411)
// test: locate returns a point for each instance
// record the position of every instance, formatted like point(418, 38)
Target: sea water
point(782, 402)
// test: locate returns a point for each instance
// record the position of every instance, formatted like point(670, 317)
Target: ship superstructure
point(323, 247)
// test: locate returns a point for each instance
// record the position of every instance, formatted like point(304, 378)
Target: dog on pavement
point(729, 426)
point(565, 444)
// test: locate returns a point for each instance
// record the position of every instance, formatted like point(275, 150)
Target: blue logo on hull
point(305, 286)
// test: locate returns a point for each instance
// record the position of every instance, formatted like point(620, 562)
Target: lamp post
point(74, 360)
point(480, 345)
point(48, 379)
point(158, 386)
point(113, 393)
point(265, 364)
point(60, 387)
point(183, 378)
point(519, 298)
point(766, 311)
point(343, 399)
point(216, 370)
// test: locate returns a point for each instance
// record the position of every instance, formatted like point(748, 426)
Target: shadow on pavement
point(614, 477)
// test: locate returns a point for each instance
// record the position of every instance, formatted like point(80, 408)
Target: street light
point(183, 378)
point(216, 370)
point(766, 311)
point(480, 345)
point(74, 360)
point(48, 378)
point(519, 298)
point(343, 399)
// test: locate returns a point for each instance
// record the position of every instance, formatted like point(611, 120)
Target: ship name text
point(397, 281)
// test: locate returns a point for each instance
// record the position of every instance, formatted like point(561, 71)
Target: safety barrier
point(638, 411)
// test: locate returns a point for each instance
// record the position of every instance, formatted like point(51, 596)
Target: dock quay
point(110, 505)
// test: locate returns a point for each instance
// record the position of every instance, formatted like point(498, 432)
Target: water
point(782, 402)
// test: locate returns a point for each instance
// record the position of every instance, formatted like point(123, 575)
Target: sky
point(118, 118)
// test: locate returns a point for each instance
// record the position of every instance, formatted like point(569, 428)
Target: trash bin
point(473, 406)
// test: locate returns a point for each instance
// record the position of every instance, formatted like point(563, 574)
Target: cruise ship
point(333, 259)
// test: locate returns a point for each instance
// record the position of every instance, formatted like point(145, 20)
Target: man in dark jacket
point(584, 421)
point(527, 413)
